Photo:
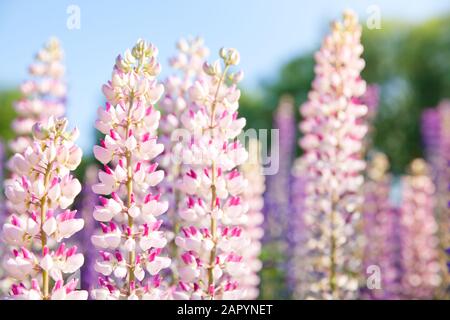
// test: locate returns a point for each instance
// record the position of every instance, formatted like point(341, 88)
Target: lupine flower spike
point(130, 241)
point(277, 205)
point(213, 208)
point(436, 134)
point(421, 269)
point(333, 134)
point(189, 66)
point(380, 221)
point(85, 206)
point(297, 233)
point(40, 195)
point(44, 94)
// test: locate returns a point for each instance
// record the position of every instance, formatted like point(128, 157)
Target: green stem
point(43, 208)
point(212, 256)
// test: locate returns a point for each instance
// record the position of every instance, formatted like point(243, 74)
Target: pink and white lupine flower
point(43, 96)
point(252, 227)
point(212, 186)
point(40, 193)
point(188, 64)
point(333, 134)
point(130, 241)
point(419, 251)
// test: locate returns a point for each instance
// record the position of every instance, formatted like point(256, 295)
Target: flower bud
point(40, 132)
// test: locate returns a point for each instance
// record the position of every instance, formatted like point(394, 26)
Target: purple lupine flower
point(371, 99)
point(379, 221)
point(86, 206)
point(431, 132)
point(297, 234)
point(448, 256)
point(436, 138)
point(277, 196)
point(419, 250)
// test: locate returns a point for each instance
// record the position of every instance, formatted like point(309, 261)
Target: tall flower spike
point(297, 232)
point(421, 269)
point(40, 195)
point(43, 96)
point(333, 133)
point(85, 206)
point(436, 135)
point(189, 66)
point(379, 221)
point(252, 228)
point(278, 205)
point(212, 186)
point(130, 241)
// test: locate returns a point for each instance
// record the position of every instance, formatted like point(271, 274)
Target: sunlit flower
point(129, 240)
point(212, 205)
point(188, 66)
point(333, 134)
point(39, 194)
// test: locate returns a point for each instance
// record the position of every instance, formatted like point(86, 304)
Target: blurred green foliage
point(410, 62)
point(7, 113)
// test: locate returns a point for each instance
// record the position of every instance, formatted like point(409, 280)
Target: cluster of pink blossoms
point(419, 250)
point(44, 94)
point(333, 134)
point(39, 195)
point(130, 241)
point(212, 207)
point(188, 64)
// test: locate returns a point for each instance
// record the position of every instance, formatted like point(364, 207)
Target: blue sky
point(267, 33)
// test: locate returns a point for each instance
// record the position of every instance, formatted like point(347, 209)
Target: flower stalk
point(39, 193)
point(130, 241)
point(333, 138)
point(211, 185)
